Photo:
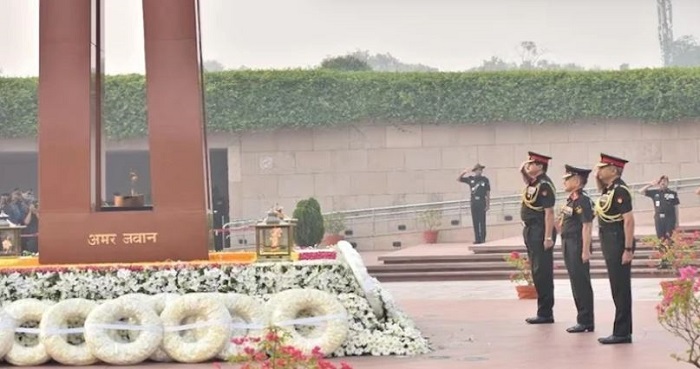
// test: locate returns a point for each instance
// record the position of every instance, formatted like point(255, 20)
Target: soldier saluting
point(665, 207)
point(576, 228)
point(616, 229)
point(480, 190)
point(537, 215)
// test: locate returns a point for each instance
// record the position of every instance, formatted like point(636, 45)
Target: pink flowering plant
point(272, 352)
point(679, 251)
point(679, 312)
point(522, 265)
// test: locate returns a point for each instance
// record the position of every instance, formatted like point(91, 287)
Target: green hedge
point(257, 100)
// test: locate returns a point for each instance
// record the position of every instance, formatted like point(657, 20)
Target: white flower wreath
point(285, 308)
point(368, 284)
point(245, 310)
point(67, 348)
point(144, 300)
point(210, 327)
point(159, 302)
point(27, 349)
point(107, 316)
point(7, 334)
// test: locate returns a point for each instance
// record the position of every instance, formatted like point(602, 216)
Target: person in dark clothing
point(480, 190)
point(665, 206)
point(537, 214)
point(220, 217)
point(616, 230)
point(575, 227)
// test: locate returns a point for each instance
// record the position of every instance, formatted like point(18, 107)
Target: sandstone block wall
point(371, 166)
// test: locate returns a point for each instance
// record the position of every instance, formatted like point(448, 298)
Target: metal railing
point(503, 209)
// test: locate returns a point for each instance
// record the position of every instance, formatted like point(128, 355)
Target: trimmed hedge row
point(259, 100)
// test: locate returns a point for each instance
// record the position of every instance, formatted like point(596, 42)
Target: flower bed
point(368, 334)
point(215, 257)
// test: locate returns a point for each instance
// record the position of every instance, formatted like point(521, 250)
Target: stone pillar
point(74, 227)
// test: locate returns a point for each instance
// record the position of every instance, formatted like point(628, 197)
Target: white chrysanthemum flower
point(210, 332)
point(246, 311)
point(284, 308)
point(107, 316)
point(27, 349)
point(67, 348)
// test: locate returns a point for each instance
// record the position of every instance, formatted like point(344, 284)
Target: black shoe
point(540, 320)
point(612, 340)
point(580, 328)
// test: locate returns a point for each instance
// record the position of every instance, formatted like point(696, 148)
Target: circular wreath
point(67, 348)
point(102, 343)
point(368, 284)
point(120, 335)
point(159, 302)
point(246, 310)
point(27, 349)
point(289, 305)
point(204, 342)
point(7, 334)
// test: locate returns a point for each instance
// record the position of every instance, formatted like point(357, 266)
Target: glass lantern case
point(274, 238)
point(10, 237)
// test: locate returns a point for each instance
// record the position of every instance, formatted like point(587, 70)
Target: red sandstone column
point(175, 109)
point(64, 108)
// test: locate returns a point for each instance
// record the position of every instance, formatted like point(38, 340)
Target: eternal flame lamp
point(274, 238)
point(10, 241)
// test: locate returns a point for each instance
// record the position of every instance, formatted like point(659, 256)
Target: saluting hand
point(627, 257)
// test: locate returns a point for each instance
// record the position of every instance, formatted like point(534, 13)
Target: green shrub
point(309, 229)
point(262, 100)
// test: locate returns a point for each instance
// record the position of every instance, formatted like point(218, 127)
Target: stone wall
point(373, 165)
point(370, 166)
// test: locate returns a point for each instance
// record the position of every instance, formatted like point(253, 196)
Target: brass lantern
point(10, 241)
point(274, 238)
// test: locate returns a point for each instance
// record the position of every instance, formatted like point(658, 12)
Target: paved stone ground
point(480, 325)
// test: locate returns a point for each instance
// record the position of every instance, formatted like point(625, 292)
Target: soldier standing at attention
point(480, 190)
point(616, 229)
point(576, 227)
point(665, 207)
point(537, 214)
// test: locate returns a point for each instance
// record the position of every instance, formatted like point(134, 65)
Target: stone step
point(486, 257)
point(482, 266)
point(486, 249)
point(483, 275)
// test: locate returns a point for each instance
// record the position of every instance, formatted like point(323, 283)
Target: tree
point(345, 63)
point(213, 66)
point(685, 52)
point(389, 63)
point(531, 57)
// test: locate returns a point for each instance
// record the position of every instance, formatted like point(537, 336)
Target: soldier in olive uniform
point(480, 189)
point(616, 229)
point(665, 207)
point(576, 224)
point(537, 214)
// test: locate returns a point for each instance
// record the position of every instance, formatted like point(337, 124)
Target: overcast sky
point(446, 34)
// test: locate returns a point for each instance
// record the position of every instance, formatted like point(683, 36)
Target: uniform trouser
point(542, 266)
point(664, 226)
point(479, 221)
point(580, 277)
point(613, 245)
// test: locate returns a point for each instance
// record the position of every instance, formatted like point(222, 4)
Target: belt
point(571, 236)
point(476, 198)
point(611, 227)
